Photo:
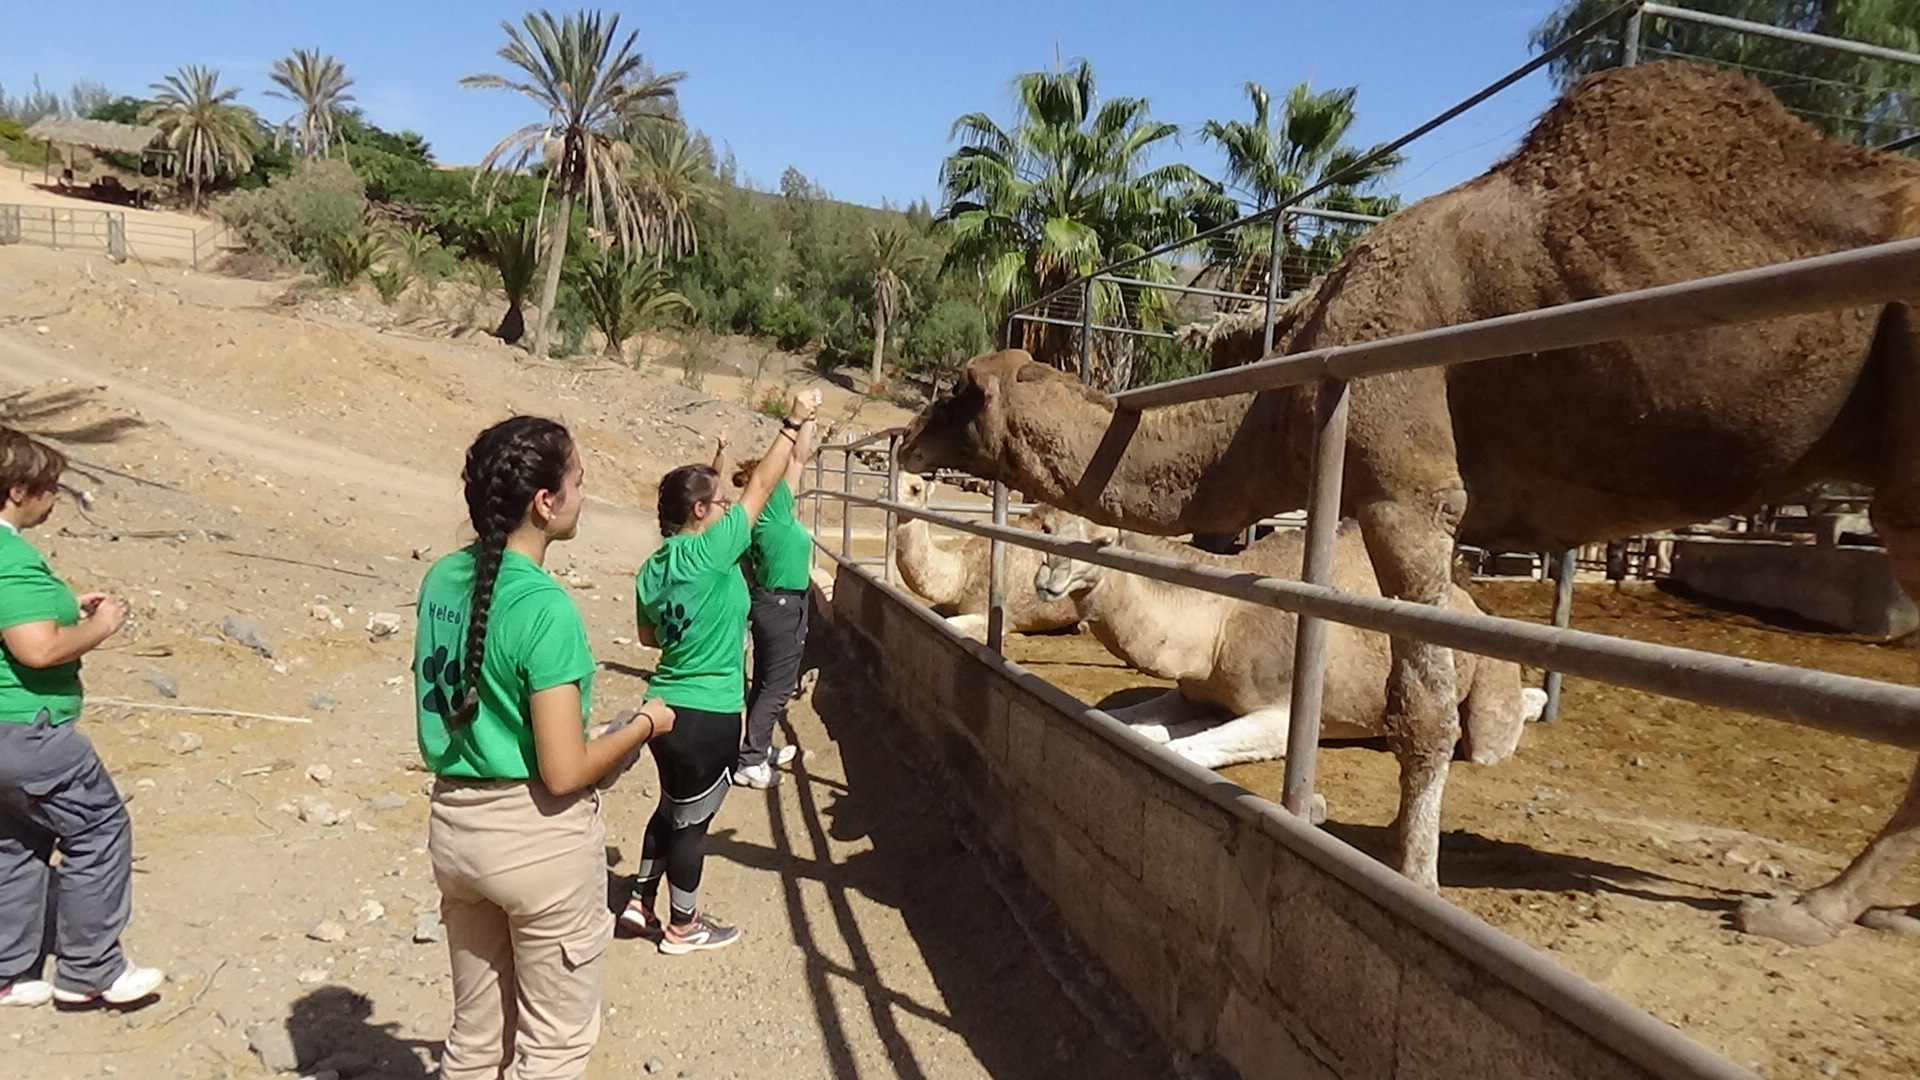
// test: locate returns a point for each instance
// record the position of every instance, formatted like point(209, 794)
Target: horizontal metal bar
point(1190, 290)
point(866, 440)
point(1902, 144)
point(1863, 708)
point(1075, 323)
point(1875, 274)
point(1333, 215)
point(1858, 48)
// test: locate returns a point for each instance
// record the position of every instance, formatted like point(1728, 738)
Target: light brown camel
point(1637, 177)
point(1233, 661)
point(957, 578)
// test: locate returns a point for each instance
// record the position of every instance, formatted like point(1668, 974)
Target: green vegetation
point(209, 134)
point(622, 294)
point(317, 83)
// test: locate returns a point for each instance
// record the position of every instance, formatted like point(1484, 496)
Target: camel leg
point(1411, 545)
point(1819, 915)
point(973, 626)
point(1261, 735)
point(1155, 716)
point(1495, 711)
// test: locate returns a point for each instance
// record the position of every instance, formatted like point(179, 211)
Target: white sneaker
point(759, 776)
point(133, 984)
point(26, 992)
point(782, 755)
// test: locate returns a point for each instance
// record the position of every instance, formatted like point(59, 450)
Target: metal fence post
point(1274, 244)
point(1562, 617)
point(846, 508)
point(1630, 40)
point(1086, 335)
point(117, 237)
point(1310, 640)
point(997, 575)
point(819, 485)
point(893, 495)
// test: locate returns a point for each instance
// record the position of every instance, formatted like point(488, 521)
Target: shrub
point(788, 323)
point(391, 280)
point(622, 295)
point(776, 402)
point(947, 336)
point(345, 257)
point(291, 217)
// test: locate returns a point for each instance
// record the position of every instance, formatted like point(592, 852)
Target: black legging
point(695, 760)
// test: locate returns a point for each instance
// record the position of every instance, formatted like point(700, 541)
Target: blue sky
point(858, 95)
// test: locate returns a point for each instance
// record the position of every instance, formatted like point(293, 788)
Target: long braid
point(506, 466)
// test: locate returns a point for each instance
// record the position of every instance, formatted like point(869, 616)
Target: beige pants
point(523, 891)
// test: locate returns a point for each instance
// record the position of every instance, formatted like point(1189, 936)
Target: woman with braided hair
point(503, 679)
point(691, 603)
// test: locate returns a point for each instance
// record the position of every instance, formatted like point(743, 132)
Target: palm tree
point(671, 177)
point(515, 252)
point(590, 82)
point(1850, 97)
point(1272, 159)
point(622, 294)
point(888, 251)
point(1066, 188)
point(207, 132)
point(318, 84)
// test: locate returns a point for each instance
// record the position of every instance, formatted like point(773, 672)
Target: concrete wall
point(1846, 588)
point(1252, 944)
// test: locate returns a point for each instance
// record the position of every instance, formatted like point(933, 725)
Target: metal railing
point(1873, 710)
point(112, 232)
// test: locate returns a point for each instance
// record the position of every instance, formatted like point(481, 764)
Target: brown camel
point(956, 578)
point(1637, 177)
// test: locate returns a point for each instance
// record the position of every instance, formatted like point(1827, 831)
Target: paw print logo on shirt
point(673, 624)
point(443, 682)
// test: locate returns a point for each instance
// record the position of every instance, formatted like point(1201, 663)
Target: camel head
point(1060, 577)
point(915, 490)
point(966, 428)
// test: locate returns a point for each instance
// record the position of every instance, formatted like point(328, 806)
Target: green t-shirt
point(782, 553)
point(29, 593)
point(691, 593)
point(535, 641)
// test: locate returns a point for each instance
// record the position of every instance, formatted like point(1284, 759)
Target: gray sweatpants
point(778, 621)
point(55, 794)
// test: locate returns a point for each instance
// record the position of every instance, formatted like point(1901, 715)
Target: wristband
point(791, 424)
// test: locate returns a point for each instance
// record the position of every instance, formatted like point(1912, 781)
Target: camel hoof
point(1317, 810)
point(1898, 920)
point(1533, 702)
point(1783, 918)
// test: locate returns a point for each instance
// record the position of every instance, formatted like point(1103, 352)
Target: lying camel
point(1637, 177)
point(1233, 658)
point(957, 578)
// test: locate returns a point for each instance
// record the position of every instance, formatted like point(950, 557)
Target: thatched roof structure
point(94, 134)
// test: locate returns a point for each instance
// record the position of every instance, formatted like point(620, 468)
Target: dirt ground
point(279, 465)
point(1620, 838)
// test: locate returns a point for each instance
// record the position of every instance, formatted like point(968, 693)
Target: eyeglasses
point(721, 501)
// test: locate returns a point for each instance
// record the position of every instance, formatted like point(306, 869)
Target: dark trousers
point(778, 620)
point(56, 795)
point(694, 779)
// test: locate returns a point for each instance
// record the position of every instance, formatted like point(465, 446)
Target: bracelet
point(791, 424)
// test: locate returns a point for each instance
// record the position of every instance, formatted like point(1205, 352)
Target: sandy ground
point(248, 459)
point(1619, 839)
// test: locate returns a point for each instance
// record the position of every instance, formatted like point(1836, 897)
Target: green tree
point(515, 251)
point(1068, 187)
point(671, 176)
point(1273, 157)
point(317, 83)
point(1852, 98)
point(622, 294)
point(590, 82)
point(888, 255)
point(208, 133)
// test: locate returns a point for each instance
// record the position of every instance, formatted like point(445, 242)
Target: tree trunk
point(513, 326)
point(879, 344)
point(556, 254)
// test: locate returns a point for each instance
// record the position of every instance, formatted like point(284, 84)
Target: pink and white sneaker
point(26, 992)
point(133, 984)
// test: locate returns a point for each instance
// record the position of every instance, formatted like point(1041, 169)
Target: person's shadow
point(332, 1028)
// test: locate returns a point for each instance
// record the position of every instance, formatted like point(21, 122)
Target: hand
point(805, 404)
point(89, 601)
point(661, 714)
point(110, 612)
point(721, 441)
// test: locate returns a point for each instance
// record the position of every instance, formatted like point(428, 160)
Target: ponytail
point(506, 466)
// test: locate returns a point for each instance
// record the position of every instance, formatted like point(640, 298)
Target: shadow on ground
point(1016, 1018)
point(332, 1028)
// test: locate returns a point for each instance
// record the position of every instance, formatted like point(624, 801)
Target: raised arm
point(720, 454)
point(773, 464)
point(801, 453)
